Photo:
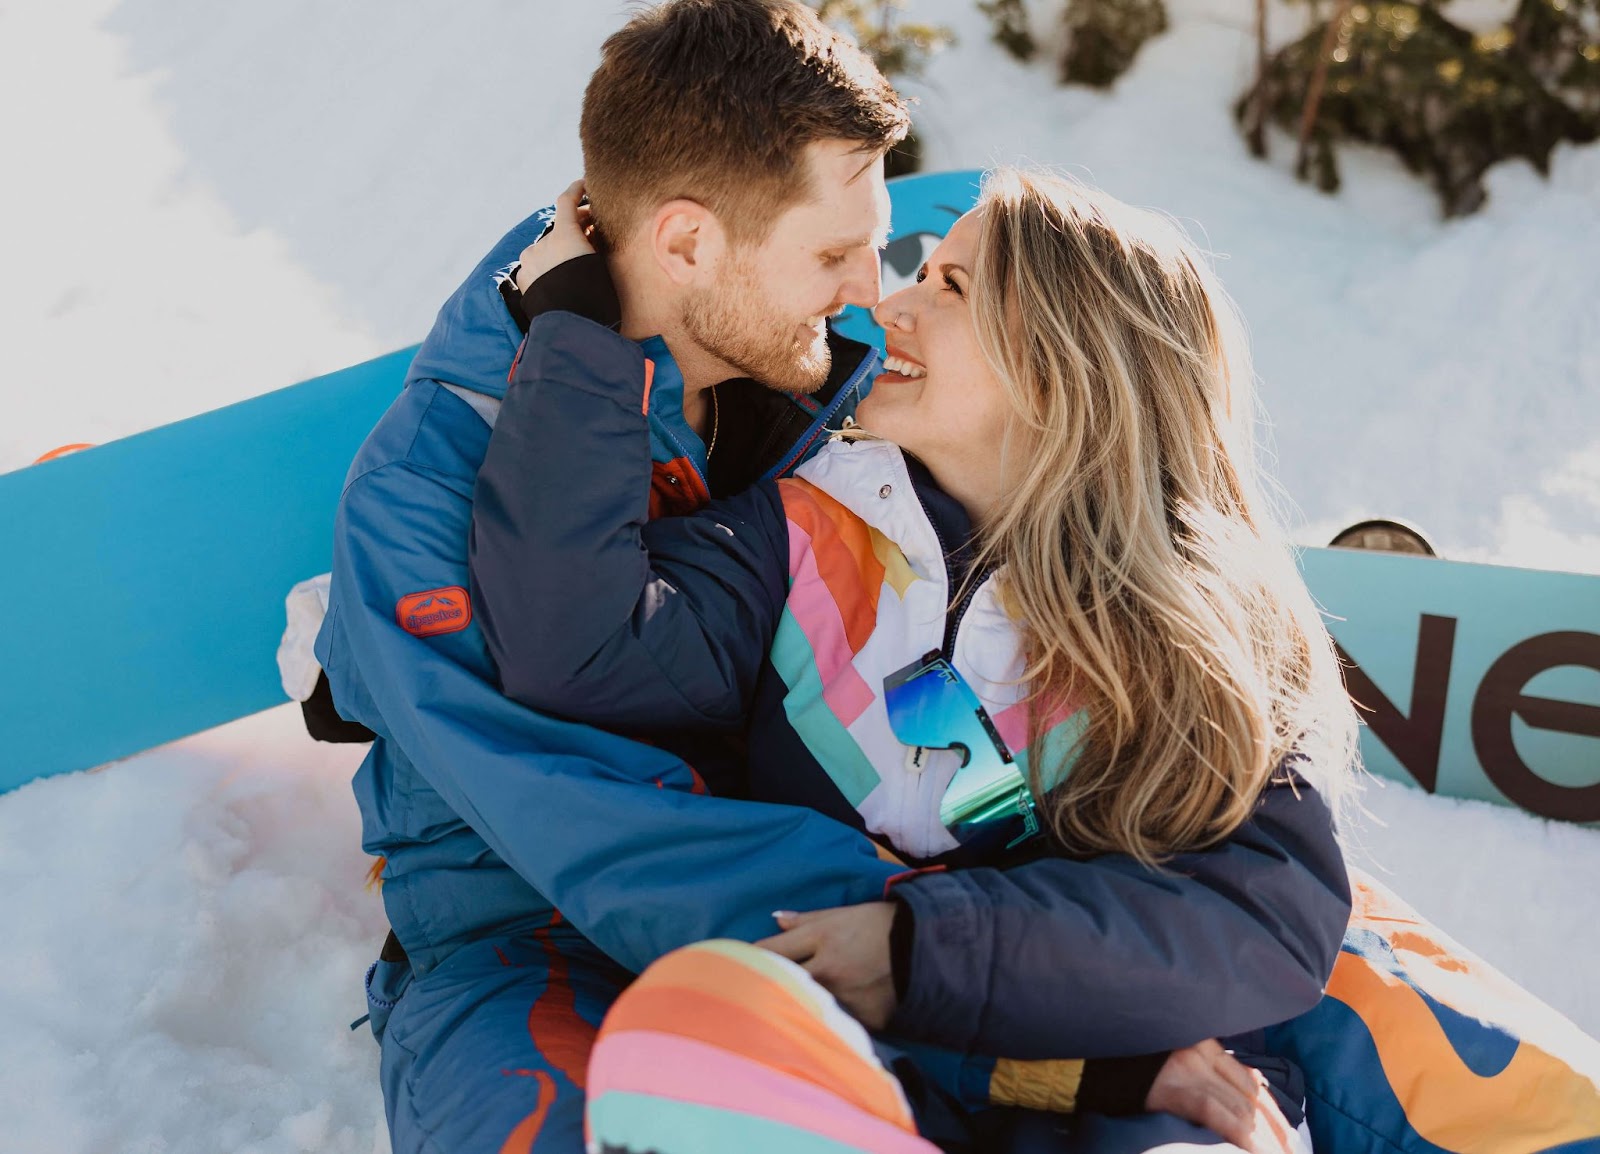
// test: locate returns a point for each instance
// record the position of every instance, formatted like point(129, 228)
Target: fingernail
point(780, 915)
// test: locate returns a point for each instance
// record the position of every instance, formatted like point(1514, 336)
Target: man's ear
point(687, 240)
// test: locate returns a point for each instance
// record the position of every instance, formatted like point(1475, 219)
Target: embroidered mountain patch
point(434, 611)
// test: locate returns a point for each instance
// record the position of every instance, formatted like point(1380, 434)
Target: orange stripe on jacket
point(649, 379)
point(847, 560)
point(526, 1132)
point(1537, 1101)
point(558, 1032)
point(1534, 1103)
point(676, 489)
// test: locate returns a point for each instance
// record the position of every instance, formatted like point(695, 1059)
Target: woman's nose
point(891, 313)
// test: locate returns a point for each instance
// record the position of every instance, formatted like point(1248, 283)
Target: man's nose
point(865, 281)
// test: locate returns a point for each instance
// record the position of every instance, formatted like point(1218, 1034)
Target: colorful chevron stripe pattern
point(839, 567)
point(867, 593)
point(722, 1047)
point(1421, 1047)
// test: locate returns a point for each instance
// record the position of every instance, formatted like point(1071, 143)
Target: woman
point(1060, 529)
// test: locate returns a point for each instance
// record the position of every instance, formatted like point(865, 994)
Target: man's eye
point(832, 259)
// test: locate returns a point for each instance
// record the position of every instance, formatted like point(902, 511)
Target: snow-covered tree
point(1448, 100)
point(897, 47)
point(1099, 38)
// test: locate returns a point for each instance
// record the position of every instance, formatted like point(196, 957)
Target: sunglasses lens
point(931, 707)
point(928, 710)
point(983, 793)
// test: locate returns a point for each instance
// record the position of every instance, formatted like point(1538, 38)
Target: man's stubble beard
point(734, 322)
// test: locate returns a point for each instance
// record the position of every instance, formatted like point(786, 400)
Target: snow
point(1439, 372)
point(186, 934)
point(204, 202)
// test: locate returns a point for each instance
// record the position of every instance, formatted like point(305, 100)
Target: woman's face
point(939, 399)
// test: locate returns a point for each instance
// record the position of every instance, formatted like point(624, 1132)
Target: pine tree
point(897, 48)
point(1450, 103)
point(1103, 37)
point(1100, 38)
point(1011, 31)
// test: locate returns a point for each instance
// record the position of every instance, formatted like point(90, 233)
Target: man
point(733, 153)
point(745, 139)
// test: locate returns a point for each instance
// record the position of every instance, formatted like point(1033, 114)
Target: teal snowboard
point(1476, 681)
point(147, 577)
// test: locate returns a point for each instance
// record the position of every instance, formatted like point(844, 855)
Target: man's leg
point(489, 1051)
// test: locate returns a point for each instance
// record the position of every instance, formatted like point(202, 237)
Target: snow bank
point(186, 934)
point(131, 296)
point(187, 931)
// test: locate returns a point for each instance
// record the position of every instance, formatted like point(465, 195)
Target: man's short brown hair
point(716, 101)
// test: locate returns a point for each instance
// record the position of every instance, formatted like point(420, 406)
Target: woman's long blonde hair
point(1138, 556)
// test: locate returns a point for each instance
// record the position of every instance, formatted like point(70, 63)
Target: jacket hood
point(474, 340)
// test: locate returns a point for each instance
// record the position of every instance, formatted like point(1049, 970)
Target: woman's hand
point(1207, 1086)
point(846, 949)
point(568, 238)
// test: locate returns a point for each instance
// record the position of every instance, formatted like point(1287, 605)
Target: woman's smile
point(897, 364)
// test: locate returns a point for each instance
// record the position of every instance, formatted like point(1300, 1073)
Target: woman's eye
point(950, 283)
point(922, 274)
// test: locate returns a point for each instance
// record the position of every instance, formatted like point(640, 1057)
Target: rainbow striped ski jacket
point(776, 614)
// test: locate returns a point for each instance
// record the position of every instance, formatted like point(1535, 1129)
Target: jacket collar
point(954, 528)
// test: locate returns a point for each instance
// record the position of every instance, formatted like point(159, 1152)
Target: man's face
point(763, 316)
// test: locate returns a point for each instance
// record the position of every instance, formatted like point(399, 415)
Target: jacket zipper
point(821, 423)
point(953, 613)
point(957, 612)
point(679, 448)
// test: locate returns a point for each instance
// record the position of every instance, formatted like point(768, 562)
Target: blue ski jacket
point(782, 607)
point(490, 814)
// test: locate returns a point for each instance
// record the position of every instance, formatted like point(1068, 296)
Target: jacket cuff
point(1119, 1086)
point(902, 932)
point(950, 961)
point(581, 285)
point(566, 350)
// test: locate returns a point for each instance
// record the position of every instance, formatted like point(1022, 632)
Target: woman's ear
point(688, 241)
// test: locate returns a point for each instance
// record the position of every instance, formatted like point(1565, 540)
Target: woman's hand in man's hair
point(846, 949)
point(568, 237)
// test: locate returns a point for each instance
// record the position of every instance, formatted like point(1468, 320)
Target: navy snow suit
point(493, 817)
